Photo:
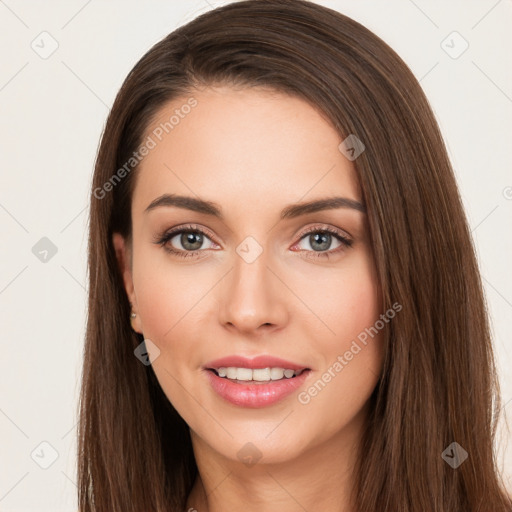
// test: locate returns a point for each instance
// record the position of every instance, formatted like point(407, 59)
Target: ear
point(124, 258)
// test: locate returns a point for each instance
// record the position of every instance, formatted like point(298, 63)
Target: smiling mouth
point(256, 375)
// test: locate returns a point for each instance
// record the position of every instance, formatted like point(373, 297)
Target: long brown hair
point(438, 382)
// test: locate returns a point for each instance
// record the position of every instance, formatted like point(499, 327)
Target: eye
point(185, 241)
point(320, 240)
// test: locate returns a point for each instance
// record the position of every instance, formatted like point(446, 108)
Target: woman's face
point(253, 276)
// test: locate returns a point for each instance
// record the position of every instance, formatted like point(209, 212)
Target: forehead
point(253, 148)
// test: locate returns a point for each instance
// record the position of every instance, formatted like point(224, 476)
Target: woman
point(280, 315)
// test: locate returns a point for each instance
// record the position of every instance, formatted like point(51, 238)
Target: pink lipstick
point(257, 382)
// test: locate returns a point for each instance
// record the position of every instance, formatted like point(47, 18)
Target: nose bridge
point(251, 298)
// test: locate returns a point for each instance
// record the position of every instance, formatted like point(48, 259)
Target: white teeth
point(276, 373)
point(242, 373)
point(231, 373)
point(259, 374)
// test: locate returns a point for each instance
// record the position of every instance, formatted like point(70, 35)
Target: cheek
point(344, 299)
point(157, 304)
point(166, 294)
point(352, 350)
point(335, 397)
point(171, 300)
point(169, 303)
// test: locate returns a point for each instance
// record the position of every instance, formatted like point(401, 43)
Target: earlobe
point(123, 257)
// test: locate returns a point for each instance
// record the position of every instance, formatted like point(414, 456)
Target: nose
point(253, 299)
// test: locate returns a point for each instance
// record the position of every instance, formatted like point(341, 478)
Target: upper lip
point(263, 361)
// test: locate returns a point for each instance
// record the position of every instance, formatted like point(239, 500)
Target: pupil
point(192, 241)
point(323, 239)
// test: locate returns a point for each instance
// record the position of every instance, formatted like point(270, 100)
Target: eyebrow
point(289, 212)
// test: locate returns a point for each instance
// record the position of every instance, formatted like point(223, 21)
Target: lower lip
point(255, 395)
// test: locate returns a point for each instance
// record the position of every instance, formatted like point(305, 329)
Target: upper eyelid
point(329, 229)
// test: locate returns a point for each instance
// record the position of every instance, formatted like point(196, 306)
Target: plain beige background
point(53, 107)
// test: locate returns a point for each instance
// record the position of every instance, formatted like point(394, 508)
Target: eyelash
point(166, 237)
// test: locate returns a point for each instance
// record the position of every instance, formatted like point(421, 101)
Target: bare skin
point(253, 152)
